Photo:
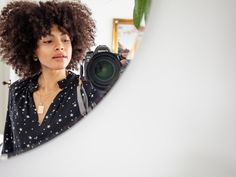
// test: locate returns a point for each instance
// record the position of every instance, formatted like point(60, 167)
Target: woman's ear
point(35, 58)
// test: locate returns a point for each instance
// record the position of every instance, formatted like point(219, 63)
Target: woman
point(42, 42)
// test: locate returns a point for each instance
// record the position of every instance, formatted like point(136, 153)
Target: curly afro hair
point(23, 23)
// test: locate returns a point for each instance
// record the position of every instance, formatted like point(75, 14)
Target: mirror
point(118, 9)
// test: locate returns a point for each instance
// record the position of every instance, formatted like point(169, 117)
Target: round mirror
point(63, 57)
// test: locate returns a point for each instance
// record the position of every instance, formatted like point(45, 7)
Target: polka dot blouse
point(22, 130)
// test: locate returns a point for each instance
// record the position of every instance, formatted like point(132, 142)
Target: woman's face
point(54, 51)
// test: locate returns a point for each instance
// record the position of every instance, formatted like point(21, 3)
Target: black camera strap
point(82, 100)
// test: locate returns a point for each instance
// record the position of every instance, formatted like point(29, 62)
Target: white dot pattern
point(22, 130)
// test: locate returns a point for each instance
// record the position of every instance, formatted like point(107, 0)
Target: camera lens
point(103, 70)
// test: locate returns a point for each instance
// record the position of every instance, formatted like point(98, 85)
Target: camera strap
point(82, 100)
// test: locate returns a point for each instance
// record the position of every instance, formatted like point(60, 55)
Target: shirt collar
point(33, 82)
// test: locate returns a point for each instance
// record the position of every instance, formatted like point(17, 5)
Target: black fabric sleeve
point(94, 95)
point(8, 146)
point(8, 137)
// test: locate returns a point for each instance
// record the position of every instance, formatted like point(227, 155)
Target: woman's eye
point(47, 42)
point(66, 40)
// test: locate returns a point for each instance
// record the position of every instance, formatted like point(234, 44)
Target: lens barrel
point(103, 70)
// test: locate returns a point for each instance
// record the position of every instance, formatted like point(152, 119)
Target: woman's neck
point(48, 80)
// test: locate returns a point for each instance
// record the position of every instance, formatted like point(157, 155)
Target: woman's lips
point(59, 57)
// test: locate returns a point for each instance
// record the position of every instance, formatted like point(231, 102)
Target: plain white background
point(172, 114)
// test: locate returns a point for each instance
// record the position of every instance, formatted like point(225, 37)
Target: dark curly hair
point(23, 23)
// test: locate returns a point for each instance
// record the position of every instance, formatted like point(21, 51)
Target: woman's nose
point(59, 46)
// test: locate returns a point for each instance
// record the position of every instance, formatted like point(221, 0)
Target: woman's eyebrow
point(62, 33)
point(52, 35)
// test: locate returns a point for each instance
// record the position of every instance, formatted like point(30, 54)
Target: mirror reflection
point(59, 66)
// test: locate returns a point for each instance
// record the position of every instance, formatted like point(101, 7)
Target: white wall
point(104, 11)
point(4, 76)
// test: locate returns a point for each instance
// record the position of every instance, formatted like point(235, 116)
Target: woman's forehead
point(55, 30)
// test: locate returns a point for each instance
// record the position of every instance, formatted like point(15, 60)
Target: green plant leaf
point(138, 12)
point(141, 9)
point(147, 9)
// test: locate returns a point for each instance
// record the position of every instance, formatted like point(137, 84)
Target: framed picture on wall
point(125, 37)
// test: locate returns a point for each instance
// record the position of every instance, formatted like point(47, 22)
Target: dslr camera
point(101, 67)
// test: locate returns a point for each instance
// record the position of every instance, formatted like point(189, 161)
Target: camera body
point(101, 67)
